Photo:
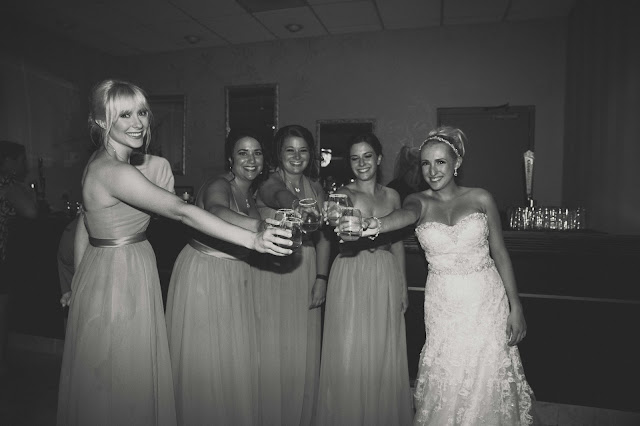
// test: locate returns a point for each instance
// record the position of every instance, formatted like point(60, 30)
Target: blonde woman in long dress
point(210, 315)
point(289, 291)
point(364, 377)
point(470, 370)
point(115, 367)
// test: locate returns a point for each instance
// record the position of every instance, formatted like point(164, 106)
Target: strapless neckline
point(464, 219)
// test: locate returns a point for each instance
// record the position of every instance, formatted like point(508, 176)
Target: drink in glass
point(309, 212)
point(337, 202)
point(350, 224)
point(293, 224)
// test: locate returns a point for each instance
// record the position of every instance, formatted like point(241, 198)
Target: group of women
point(242, 341)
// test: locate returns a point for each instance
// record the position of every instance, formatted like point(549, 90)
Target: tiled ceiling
point(133, 27)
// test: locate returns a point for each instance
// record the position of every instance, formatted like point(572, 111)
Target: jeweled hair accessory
point(440, 139)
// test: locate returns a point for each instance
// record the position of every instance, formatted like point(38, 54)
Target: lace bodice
point(457, 249)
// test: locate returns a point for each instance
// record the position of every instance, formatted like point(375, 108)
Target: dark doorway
point(335, 135)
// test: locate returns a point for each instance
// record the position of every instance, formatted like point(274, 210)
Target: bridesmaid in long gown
point(289, 291)
point(115, 367)
point(210, 315)
point(470, 370)
point(364, 378)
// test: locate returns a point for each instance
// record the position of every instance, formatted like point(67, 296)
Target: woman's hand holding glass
point(309, 212)
point(370, 227)
point(274, 240)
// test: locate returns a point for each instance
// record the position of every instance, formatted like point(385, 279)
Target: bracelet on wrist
point(322, 277)
point(379, 223)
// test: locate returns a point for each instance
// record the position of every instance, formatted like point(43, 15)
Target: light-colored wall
point(397, 77)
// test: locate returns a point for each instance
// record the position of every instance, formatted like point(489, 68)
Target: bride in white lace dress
point(470, 371)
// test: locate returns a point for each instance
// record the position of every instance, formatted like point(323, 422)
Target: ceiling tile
point(178, 30)
point(128, 27)
point(275, 22)
point(527, 9)
point(315, 2)
point(148, 10)
point(348, 17)
point(473, 11)
point(203, 9)
point(267, 5)
point(398, 14)
point(239, 29)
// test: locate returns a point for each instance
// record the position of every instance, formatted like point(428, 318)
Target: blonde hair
point(107, 98)
point(451, 136)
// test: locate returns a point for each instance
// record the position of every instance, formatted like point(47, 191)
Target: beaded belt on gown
point(117, 242)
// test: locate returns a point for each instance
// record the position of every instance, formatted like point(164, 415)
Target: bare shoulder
point(391, 193)
point(347, 190)
point(218, 183)
point(479, 195)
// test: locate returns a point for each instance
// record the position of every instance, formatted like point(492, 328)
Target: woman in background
point(470, 370)
point(210, 315)
point(115, 367)
point(364, 377)
point(407, 178)
point(289, 291)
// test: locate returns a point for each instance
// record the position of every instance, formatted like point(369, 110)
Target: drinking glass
point(309, 212)
point(337, 202)
point(293, 224)
point(282, 214)
point(350, 224)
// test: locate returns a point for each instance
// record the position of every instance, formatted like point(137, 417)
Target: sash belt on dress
point(117, 242)
point(210, 251)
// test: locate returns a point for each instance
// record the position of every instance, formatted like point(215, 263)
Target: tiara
point(440, 139)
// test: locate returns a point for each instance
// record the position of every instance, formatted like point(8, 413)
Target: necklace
point(246, 200)
point(295, 188)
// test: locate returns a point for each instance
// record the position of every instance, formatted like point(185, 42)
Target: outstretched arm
point(409, 214)
point(124, 182)
point(516, 324)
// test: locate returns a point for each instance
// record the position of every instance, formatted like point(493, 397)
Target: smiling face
point(247, 159)
point(438, 164)
point(130, 125)
point(364, 161)
point(294, 155)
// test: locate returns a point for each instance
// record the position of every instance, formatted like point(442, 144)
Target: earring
point(455, 172)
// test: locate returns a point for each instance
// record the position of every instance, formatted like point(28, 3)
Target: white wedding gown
point(468, 375)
